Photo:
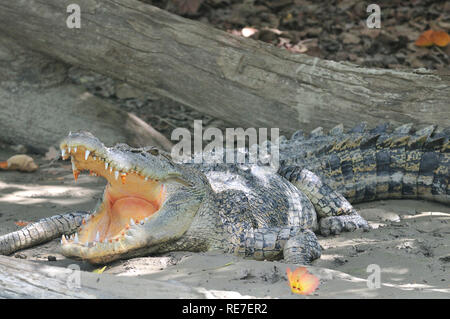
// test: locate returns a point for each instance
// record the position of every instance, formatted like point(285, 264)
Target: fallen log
point(244, 82)
point(38, 107)
point(24, 279)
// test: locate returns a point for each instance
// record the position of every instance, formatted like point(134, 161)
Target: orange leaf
point(440, 38)
point(424, 39)
point(301, 281)
point(21, 223)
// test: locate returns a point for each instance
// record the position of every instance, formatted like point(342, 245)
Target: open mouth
point(130, 198)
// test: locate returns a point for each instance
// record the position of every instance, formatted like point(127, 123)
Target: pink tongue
point(126, 208)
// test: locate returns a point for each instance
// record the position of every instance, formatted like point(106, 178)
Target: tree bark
point(38, 108)
point(245, 82)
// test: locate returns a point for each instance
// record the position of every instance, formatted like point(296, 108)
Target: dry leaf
point(248, 32)
point(298, 48)
point(20, 162)
point(283, 42)
point(424, 39)
point(99, 270)
point(440, 38)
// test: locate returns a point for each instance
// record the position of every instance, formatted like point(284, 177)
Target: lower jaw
point(103, 256)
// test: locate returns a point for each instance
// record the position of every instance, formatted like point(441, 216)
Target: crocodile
point(153, 204)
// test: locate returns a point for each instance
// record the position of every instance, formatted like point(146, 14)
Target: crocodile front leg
point(293, 244)
point(41, 231)
point(335, 211)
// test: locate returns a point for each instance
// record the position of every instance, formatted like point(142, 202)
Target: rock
point(340, 261)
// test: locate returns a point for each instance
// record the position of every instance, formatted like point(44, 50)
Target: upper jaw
point(121, 158)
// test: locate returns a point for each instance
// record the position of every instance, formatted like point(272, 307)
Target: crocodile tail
point(41, 231)
point(370, 165)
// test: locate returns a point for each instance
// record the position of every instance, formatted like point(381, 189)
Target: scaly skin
point(249, 210)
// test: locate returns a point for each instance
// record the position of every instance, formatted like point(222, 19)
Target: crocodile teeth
point(97, 237)
point(106, 165)
point(116, 175)
point(146, 178)
point(94, 158)
point(69, 149)
point(86, 155)
point(86, 244)
point(74, 149)
point(110, 169)
point(132, 222)
point(63, 240)
point(75, 240)
point(63, 152)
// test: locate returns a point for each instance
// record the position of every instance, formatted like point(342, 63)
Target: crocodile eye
point(153, 151)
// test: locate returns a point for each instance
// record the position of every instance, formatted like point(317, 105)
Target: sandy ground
point(409, 242)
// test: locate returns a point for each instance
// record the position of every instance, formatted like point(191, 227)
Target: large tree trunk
point(38, 108)
point(246, 82)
